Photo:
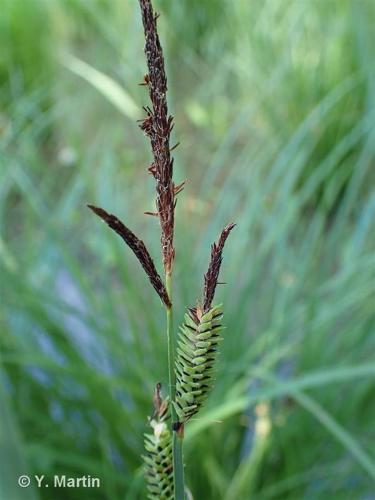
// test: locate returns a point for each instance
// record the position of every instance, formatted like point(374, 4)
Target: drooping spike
point(139, 249)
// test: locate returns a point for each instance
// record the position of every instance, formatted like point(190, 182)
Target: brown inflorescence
point(212, 275)
point(139, 250)
point(158, 125)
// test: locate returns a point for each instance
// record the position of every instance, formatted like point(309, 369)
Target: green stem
point(178, 465)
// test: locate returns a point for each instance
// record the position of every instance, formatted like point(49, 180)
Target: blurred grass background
point(274, 104)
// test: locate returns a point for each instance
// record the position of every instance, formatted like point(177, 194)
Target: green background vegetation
point(274, 104)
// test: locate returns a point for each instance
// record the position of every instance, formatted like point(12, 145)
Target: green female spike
point(158, 445)
point(196, 355)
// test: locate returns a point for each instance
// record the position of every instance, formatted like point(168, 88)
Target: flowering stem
point(178, 465)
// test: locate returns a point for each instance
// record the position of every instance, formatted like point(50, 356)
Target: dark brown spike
point(212, 274)
point(139, 249)
point(158, 125)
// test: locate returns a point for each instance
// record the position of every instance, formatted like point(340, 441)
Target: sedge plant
point(191, 357)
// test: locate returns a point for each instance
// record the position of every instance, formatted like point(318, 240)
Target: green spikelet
point(159, 460)
point(196, 354)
